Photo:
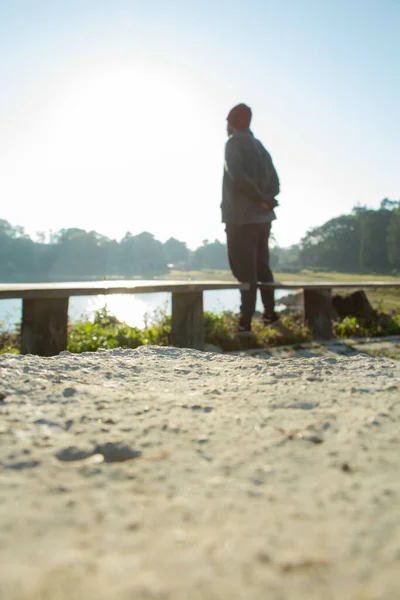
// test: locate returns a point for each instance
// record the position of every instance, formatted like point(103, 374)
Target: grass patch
point(220, 330)
point(379, 325)
point(205, 274)
point(106, 332)
point(9, 341)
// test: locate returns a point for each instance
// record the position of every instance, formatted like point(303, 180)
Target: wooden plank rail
point(94, 288)
point(45, 306)
point(45, 309)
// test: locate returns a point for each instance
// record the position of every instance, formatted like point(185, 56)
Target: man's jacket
point(250, 179)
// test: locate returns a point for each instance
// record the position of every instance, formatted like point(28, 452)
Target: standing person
point(250, 185)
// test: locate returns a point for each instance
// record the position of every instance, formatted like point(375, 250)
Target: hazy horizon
point(112, 115)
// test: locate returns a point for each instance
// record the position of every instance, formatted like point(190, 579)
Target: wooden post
point(318, 312)
point(44, 326)
point(187, 320)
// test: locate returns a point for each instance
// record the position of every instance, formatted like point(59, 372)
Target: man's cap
point(240, 116)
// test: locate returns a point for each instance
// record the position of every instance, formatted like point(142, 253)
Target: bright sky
point(112, 113)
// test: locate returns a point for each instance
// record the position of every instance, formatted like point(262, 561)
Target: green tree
point(176, 252)
point(333, 246)
point(285, 259)
point(373, 238)
point(78, 253)
point(142, 255)
point(210, 256)
point(17, 253)
point(393, 239)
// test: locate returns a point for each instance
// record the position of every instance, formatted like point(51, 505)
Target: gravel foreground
point(174, 474)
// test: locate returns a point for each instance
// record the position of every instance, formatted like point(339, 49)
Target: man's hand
point(270, 205)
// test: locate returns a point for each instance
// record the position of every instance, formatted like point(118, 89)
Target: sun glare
point(131, 143)
point(117, 117)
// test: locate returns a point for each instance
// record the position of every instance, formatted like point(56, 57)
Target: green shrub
point(105, 332)
point(8, 349)
point(157, 330)
point(289, 330)
point(220, 330)
point(377, 325)
point(9, 340)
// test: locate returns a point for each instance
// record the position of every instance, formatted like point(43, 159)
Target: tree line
point(365, 241)
point(76, 254)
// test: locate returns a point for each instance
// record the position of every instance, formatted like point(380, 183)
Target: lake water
point(131, 309)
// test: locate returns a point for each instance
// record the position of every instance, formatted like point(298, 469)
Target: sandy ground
point(170, 474)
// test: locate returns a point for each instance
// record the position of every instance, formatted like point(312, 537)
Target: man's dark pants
point(248, 254)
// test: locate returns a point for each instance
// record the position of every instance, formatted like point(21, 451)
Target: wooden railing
point(45, 307)
point(44, 325)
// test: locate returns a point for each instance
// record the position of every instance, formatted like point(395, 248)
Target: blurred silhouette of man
point(250, 185)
